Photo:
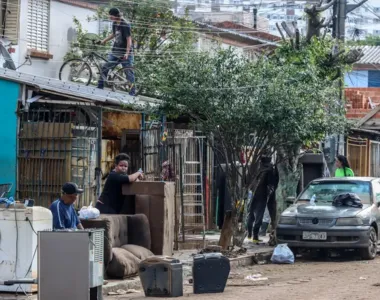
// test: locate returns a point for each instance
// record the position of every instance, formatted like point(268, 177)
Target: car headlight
point(288, 220)
point(349, 222)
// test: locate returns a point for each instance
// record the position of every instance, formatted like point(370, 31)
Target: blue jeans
point(113, 61)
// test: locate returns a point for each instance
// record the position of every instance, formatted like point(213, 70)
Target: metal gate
point(56, 144)
point(374, 166)
point(357, 154)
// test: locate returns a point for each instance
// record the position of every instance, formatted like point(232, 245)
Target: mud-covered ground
point(311, 279)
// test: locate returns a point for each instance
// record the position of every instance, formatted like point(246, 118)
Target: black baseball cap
point(70, 188)
point(114, 12)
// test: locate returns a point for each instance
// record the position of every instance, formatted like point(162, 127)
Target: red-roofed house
point(248, 41)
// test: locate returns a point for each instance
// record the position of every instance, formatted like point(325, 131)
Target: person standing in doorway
point(122, 49)
point(111, 200)
point(343, 168)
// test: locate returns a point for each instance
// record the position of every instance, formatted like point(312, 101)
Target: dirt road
point(306, 279)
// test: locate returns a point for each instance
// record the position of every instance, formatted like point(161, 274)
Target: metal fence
point(188, 160)
point(374, 159)
point(357, 154)
point(56, 144)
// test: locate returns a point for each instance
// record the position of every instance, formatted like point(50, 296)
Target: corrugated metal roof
point(75, 90)
point(371, 54)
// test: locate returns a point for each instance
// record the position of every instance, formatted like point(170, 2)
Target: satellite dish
point(8, 64)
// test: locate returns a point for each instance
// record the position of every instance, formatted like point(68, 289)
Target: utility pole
point(340, 11)
point(254, 11)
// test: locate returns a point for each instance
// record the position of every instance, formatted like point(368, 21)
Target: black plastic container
point(161, 277)
point(210, 273)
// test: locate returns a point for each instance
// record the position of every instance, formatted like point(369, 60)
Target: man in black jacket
point(265, 195)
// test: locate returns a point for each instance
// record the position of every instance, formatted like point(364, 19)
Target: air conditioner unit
point(70, 264)
point(18, 243)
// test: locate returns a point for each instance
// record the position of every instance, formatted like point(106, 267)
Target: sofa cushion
point(138, 251)
point(123, 264)
point(139, 231)
point(119, 229)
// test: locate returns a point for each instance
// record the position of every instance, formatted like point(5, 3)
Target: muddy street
point(307, 279)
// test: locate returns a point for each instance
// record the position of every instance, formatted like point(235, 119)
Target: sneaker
point(257, 240)
point(132, 91)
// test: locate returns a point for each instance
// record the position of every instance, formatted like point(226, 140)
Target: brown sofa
point(127, 241)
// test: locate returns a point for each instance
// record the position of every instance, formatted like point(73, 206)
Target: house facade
point(44, 30)
point(246, 41)
point(366, 72)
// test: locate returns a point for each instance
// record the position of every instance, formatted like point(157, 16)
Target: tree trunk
point(239, 234)
point(290, 174)
point(227, 231)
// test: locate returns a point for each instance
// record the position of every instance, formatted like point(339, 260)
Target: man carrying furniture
point(64, 214)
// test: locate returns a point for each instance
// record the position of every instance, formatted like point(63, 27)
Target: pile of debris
point(232, 252)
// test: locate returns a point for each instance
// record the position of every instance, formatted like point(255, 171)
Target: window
point(325, 191)
point(376, 191)
point(9, 19)
point(38, 25)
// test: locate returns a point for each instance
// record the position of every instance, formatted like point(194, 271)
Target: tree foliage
point(254, 107)
point(370, 40)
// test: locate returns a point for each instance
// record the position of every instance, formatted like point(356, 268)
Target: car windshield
point(325, 191)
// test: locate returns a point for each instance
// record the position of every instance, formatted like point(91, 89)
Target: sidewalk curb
point(238, 262)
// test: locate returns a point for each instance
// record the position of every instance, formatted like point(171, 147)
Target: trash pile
point(89, 212)
point(7, 201)
point(282, 255)
point(233, 252)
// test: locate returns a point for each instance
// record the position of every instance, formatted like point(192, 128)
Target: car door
point(376, 201)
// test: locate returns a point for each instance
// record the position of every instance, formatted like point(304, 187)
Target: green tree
point(158, 35)
point(370, 40)
point(257, 107)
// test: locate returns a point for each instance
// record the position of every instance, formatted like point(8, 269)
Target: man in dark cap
point(64, 215)
point(122, 49)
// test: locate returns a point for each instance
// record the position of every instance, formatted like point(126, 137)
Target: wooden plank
point(115, 122)
point(169, 218)
point(154, 188)
point(368, 116)
point(46, 130)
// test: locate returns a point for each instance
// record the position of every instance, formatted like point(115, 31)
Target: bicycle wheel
point(119, 82)
point(76, 70)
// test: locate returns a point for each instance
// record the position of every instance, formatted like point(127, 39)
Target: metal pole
point(181, 191)
point(342, 19)
point(255, 18)
point(99, 153)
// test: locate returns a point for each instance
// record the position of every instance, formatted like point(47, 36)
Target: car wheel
point(294, 250)
point(370, 252)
